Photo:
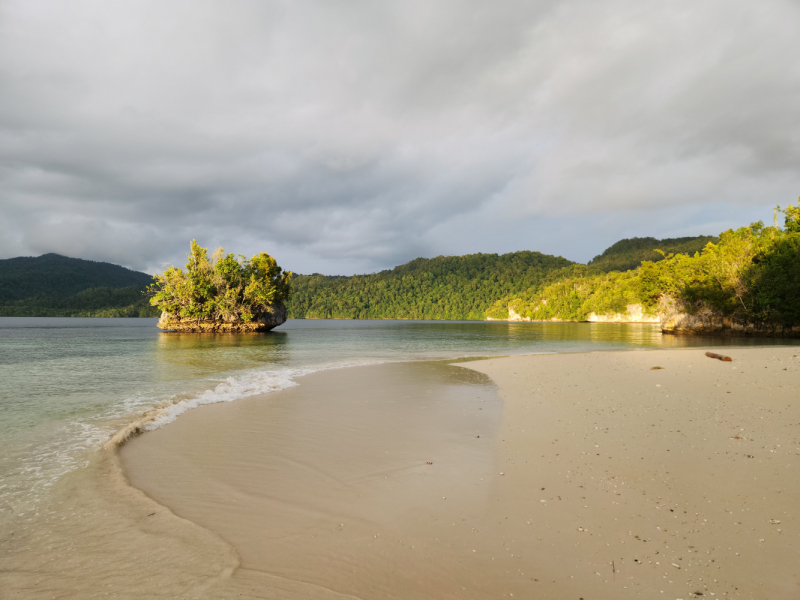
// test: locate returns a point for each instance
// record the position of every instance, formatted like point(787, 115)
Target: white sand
point(621, 481)
point(595, 477)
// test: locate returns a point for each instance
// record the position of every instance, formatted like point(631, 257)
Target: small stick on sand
point(719, 357)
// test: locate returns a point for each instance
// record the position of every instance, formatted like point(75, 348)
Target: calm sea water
point(67, 384)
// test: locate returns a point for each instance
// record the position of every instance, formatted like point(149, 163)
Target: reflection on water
point(65, 383)
point(181, 356)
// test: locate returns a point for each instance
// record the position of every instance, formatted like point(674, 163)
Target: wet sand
point(327, 486)
point(594, 477)
point(95, 536)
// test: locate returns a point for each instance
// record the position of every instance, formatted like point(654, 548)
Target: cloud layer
point(351, 136)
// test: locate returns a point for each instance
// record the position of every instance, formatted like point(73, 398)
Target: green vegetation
point(478, 286)
point(445, 287)
point(629, 253)
point(55, 275)
point(226, 287)
point(57, 286)
point(94, 302)
point(751, 274)
point(573, 295)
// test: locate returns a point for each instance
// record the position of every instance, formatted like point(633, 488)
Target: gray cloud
point(352, 136)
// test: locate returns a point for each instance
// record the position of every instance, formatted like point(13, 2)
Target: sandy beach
point(621, 480)
point(590, 476)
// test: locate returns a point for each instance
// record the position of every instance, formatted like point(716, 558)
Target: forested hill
point(629, 253)
point(445, 287)
point(55, 285)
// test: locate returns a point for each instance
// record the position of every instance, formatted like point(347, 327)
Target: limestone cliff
point(634, 314)
point(262, 322)
point(512, 316)
point(676, 319)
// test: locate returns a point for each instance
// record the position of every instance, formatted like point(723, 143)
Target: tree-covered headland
point(749, 277)
point(225, 292)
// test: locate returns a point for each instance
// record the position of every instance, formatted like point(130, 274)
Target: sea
point(68, 384)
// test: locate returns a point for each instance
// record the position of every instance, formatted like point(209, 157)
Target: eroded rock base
point(263, 322)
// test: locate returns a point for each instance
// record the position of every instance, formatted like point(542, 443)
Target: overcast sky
point(352, 136)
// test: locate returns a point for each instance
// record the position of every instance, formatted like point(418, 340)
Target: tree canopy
point(445, 287)
point(629, 253)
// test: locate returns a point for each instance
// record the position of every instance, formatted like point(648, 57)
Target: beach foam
point(230, 389)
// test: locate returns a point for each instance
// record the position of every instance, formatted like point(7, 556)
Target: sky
point(350, 136)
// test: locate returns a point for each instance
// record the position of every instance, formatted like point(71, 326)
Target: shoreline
point(577, 527)
point(512, 536)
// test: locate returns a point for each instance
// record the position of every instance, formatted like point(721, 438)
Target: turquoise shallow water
point(67, 384)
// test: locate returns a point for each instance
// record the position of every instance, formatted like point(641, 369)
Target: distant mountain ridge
point(56, 275)
point(55, 285)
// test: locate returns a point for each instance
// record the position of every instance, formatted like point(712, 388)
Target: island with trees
point(225, 293)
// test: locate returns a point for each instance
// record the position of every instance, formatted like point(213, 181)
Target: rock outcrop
point(635, 314)
point(676, 320)
point(262, 322)
point(512, 316)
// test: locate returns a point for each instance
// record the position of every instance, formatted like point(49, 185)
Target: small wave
point(28, 470)
point(228, 390)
